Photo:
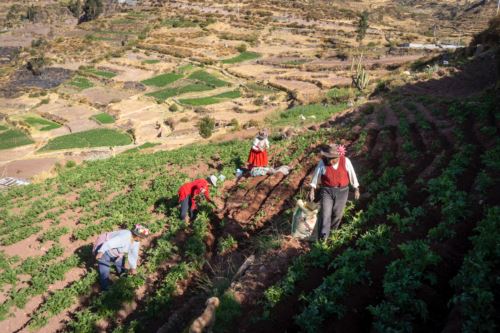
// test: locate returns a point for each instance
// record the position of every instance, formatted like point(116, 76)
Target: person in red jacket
point(189, 192)
point(336, 173)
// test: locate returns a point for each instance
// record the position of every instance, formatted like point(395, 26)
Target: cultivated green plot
point(179, 23)
point(260, 88)
point(11, 138)
point(208, 79)
point(211, 99)
point(185, 68)
point(104, 118)
point(305, 114)
point(102, 73)
point(41, 124)
point(100, 137)
point(162, 80)
point(3, 128)
point(243, 56)
point(162, 95)
point(81, 82)
point(141, 147)
point(151, 61)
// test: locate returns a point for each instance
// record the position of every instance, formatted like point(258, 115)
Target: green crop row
point(29, 266)
point(39, 284)
point(405, 276)
point(402, 279)
point(62, 299)
point(476, 283)
point(443, 191)
point(349, 269)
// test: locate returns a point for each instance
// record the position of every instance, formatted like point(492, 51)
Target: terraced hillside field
point(115, 115)
point(403, 258)
point(139, 63)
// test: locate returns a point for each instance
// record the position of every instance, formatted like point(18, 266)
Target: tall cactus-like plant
point(360, 76)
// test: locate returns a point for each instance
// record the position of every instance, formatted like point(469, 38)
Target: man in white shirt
point(336, 172)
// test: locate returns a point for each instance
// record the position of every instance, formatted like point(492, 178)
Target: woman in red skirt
point(258, 153)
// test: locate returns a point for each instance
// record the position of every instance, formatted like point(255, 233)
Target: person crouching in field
point(110, 249)
point(189, 192)
point(336, 172)
point(258, 152)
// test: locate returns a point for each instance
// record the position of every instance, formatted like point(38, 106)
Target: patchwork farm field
point(92, 138)
point(107, 115)
point(11, 138)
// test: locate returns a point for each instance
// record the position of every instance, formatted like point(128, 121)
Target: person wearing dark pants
point(333, 201)
point(190, 191)
point(336, 173)
point(104, 265)
point(110, 249)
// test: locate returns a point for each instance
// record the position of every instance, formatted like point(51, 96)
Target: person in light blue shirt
point(111, 248)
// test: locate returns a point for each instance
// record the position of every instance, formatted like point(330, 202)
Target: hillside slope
point(419, 251)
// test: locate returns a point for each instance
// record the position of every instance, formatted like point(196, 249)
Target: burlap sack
point(304, 221)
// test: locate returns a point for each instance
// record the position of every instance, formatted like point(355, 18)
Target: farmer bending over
point(189, 192)
point(111, 247)
point(336, 172)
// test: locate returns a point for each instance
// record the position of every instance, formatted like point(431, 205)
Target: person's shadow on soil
point(163, 204)
point(84, 253)
point(238, 161)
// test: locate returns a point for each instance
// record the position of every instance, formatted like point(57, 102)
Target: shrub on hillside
point(206, 126)
point(91, 10)
point(242, 48)
point(338, 95)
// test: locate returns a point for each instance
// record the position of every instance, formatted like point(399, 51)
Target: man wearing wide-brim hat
point(336, 173)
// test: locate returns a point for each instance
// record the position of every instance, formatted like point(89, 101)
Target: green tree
point(92, 9)
point(206, 126)
point(362, 26)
